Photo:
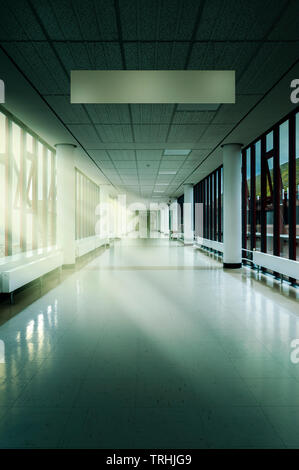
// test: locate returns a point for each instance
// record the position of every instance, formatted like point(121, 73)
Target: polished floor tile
point(285, 420)
point(152, 345)
point(275, 392)
point(106, 427)
point(162, 429)
point(239, 427)
point(32, 428)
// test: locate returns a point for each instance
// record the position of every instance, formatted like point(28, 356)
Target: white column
point(66, 202)
point(174, 215)
point(188, 214)
point(166, 220)
point(162, 220)
point(232, 220)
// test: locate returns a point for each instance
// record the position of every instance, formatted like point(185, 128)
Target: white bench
point(284, 266)
point(85, 245)
point(206, 243)
point(173, 234)
point(20, 272)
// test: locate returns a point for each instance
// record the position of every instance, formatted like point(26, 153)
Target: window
point(27, 189)
point(284, 189)
point(270, 174)
point(87, 199)
point(209, 193)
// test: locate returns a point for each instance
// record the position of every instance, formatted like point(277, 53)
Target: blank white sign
point(152, 86)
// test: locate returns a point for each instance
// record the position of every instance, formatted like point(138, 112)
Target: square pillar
point(188, 214)
point(66, 202)
point(232, 208)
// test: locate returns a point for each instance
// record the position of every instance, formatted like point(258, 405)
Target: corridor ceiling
point(46, 39)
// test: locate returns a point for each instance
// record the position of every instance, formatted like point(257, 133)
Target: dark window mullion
point(215, 206)
point(244, 199)
point(292, 187)
point(252, 198)
point(204, 209)
point(211, 207)
point(276, 193)
point(208, 208)
point(264, 166)
point(219, 205)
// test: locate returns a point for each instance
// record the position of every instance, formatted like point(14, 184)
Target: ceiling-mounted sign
point(152, 86)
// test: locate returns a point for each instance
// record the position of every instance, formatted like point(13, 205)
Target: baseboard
point(232, 265)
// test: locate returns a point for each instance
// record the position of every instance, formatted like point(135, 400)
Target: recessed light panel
point(167, 172)
point(177, 152)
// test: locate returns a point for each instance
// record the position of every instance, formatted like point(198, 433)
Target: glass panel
point(269, 141)
point(284, 179)
point(2, 184)
point(222, 203)
point(86, 202)
point(25, 190)
point(297, 186)
point(248, 181)
point(49, 195)
point(40, 225)
point(216, 205)
point(269, 204)
point(212, 207)
point(28, 205)
point(258, 193)
point(16, 149)
point(206, 208)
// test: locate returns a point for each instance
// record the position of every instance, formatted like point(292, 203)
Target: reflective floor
point(152, 345)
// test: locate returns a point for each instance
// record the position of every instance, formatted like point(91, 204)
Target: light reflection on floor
point(152, 345)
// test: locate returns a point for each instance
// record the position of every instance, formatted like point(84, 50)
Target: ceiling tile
point(245, 20)
point(131, 164)
point(185, 133)
point(86, 134)
point(115, 133)
point(122, 154)
point(148, 154)
point(99, 155)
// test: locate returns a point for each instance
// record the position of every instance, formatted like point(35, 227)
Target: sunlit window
point(27, 189)
point(209, 193)
point(87, 199)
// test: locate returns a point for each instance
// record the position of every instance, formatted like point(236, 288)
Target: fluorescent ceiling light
point(158, 191)
point(177, 152)
point(162, 184)
point(167, 172)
